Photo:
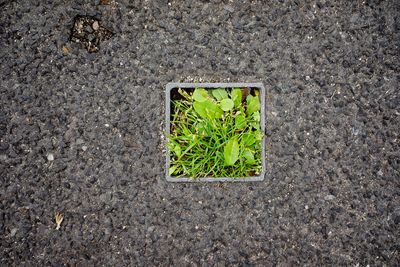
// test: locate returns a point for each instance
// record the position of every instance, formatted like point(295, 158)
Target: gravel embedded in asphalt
point(332, 193)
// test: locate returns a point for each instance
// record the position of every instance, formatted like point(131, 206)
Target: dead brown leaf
point(59, 219)
point(65, 50)
point(245, 93)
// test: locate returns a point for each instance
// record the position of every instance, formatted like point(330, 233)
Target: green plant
point(215, 133)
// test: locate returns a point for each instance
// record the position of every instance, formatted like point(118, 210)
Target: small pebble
point(107, 231)
point(13, 232)
point(84, 148)
point(95, 25)
point(90, 237)
point(330, 197)
point(79, 141)
point(229, 8)
point(50, 157)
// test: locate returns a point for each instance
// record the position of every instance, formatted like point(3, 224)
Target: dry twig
point(59, 219)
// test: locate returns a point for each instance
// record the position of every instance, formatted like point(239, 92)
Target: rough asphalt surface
point(81, 134)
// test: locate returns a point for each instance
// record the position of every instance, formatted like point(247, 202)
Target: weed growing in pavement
point(215, 133)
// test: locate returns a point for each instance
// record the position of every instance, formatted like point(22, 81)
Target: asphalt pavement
point(81, 134)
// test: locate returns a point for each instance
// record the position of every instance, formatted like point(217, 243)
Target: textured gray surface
point(331, 69)
point(173, 85)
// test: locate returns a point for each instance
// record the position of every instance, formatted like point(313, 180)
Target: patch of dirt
point(89, 32)
point(104, 2)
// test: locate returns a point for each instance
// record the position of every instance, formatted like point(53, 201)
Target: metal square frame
point(171, 86)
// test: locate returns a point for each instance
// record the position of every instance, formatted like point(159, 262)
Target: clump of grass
point(215, 133)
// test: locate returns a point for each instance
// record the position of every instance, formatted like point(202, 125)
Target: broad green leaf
point(226, 104)
point(248, 139)
point(256, 116)
point(172, 169)
point(248, 98)
point(200, 109)
point(177, 150)
point(251, 140)
point(219, 94)
point(248, 155)
point(256, 123)
point(236, 96)
point(253, 104)
point(240, 122)
point(208, 109)
point(200, 94)
point(231, 152)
